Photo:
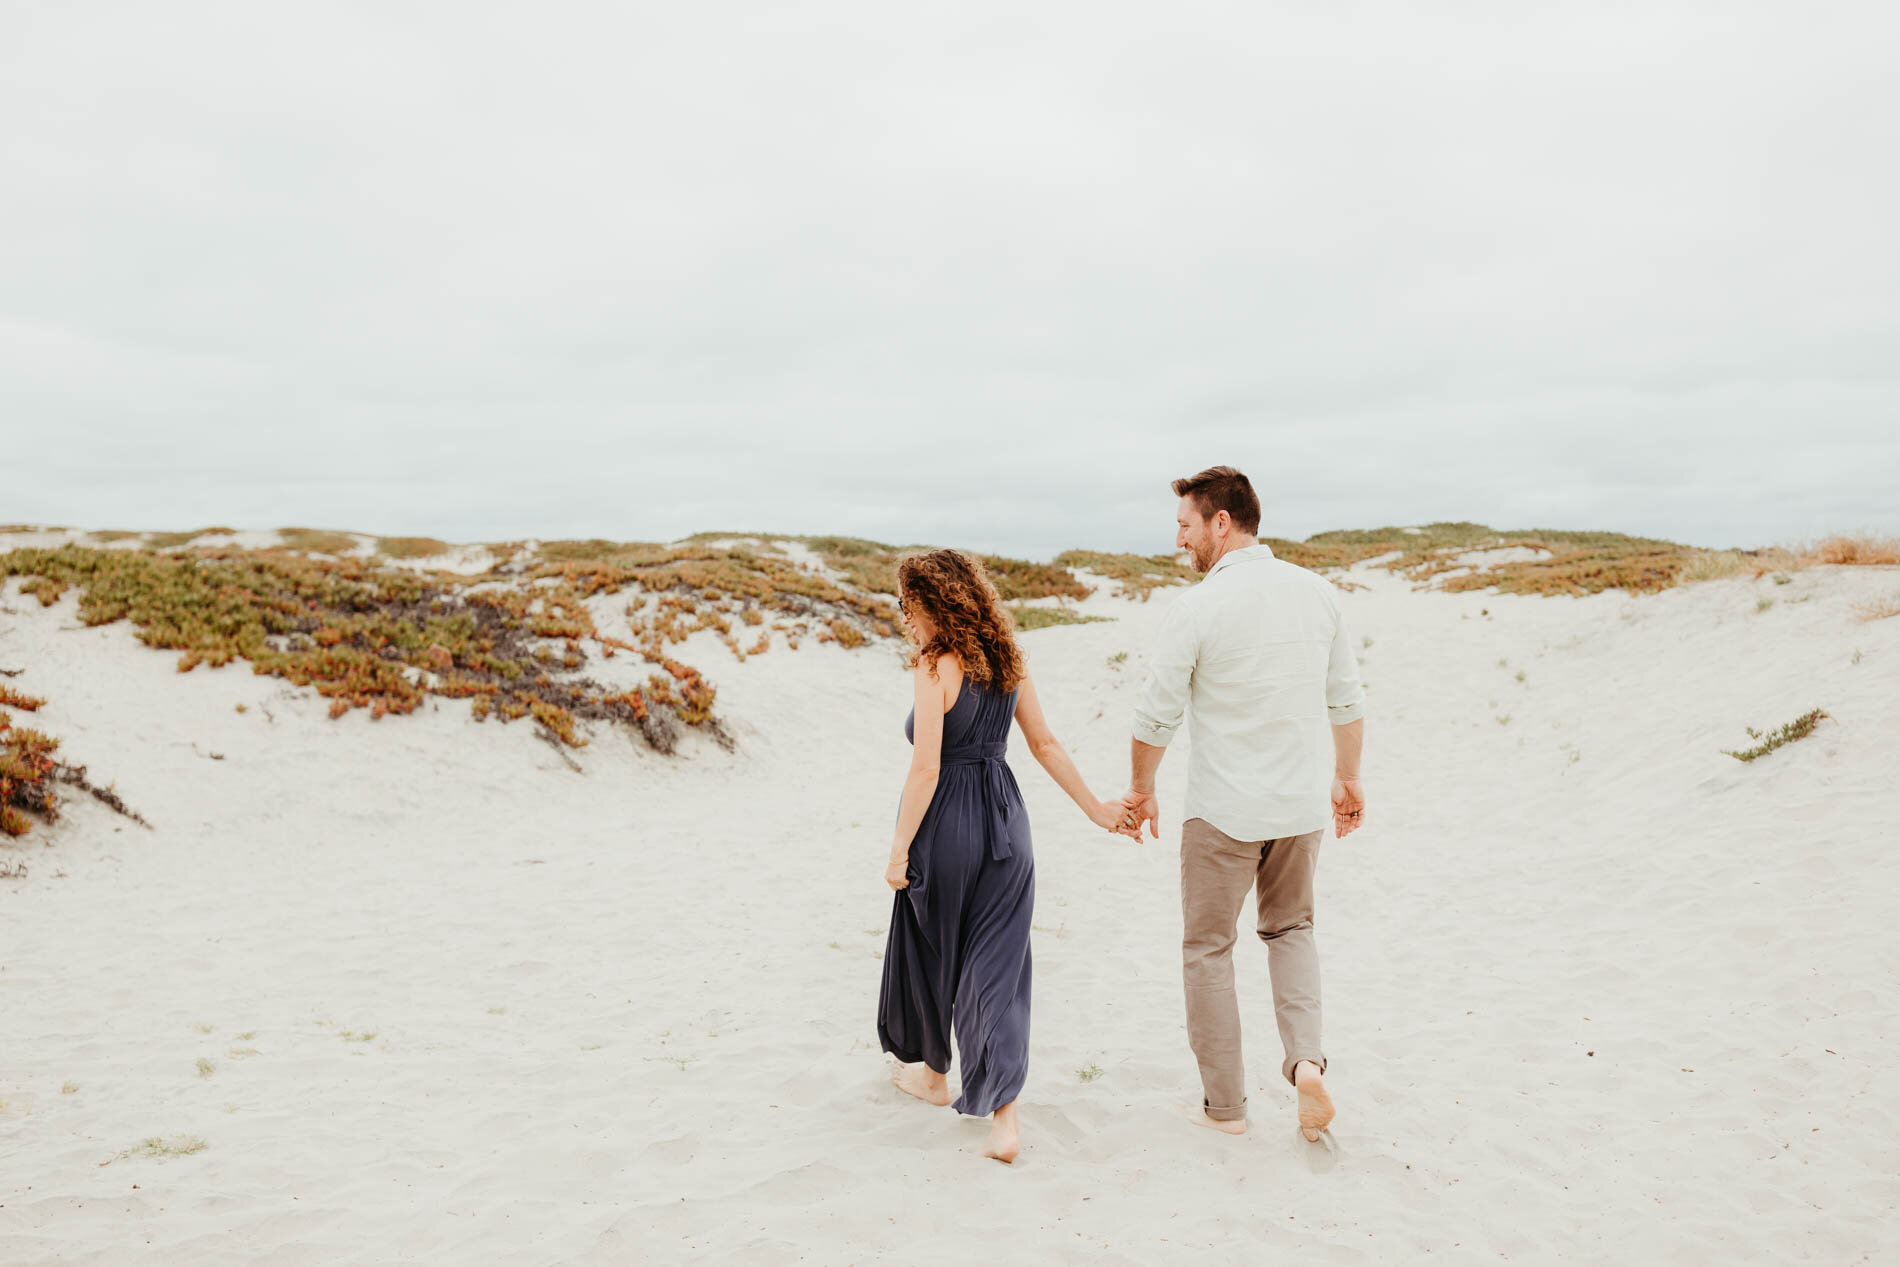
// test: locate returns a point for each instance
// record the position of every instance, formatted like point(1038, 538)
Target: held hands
point(1349, 806)
point(1135, 809)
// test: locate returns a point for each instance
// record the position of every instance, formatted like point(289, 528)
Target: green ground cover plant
point(1800, 728)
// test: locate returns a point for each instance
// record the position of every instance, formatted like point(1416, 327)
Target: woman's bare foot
point(1316, 1107)
point(921, 1081)
point(1197, 1114)
point(1003, 1142)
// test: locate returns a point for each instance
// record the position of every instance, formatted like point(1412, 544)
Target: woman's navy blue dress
point(957, 959)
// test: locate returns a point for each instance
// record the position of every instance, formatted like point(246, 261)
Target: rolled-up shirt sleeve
point(1164, 694)
point(1345, 693)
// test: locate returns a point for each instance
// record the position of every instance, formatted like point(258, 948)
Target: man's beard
point(1203, 556)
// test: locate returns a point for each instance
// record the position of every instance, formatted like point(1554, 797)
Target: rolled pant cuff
point(1238, 1113)
point(1293, 1062)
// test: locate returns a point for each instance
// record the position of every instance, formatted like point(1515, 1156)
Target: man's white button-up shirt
point(1256, 656)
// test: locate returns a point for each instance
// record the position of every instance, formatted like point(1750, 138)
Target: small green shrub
point(1800, 728)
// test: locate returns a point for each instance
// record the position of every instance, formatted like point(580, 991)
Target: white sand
point(1594, 990)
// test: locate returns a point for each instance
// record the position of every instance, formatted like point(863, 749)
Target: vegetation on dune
point(1800, 728)
point(411, 547)
point(173, 540)
point(317, 541)
point(872, 565)
point(1027, 618)
point(362, 636)
point(1639, 570)
point(26, 777)
point(365, 633)
point(1855, 551)
point(29, 771)
point(1139, 575)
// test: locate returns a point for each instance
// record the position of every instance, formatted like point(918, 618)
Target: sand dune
point(1595, 991)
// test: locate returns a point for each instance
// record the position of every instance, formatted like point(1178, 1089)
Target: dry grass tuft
point(1878, 608)
point(1715, 565)
point(1854, 552)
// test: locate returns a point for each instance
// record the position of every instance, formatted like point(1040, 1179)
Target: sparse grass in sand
point(1878, 608)
point(1763, 604)
point(1088, 1073)
point(13, 869)
point(497, 1011)
point(1027, 618)
point(206, 1066)
point(678, 1062)
point(356, 1036)
point(176, 1146)
point(411, 547)
point(1117, 660)
point(69, 1087)
point(1800, 728)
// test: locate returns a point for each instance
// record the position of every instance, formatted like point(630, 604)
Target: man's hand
point(1349, 806)
point(1139, 808)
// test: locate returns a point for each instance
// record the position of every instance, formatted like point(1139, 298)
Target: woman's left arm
point(1051, 756)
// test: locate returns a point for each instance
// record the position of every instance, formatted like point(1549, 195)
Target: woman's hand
point(1110, 816)
point(894, 873)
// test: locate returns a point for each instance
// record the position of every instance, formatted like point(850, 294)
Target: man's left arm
point(1346, 709)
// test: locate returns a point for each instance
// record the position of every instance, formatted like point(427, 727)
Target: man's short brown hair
point(1223, 488)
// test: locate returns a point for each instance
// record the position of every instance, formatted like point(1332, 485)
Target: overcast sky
point(986, 275)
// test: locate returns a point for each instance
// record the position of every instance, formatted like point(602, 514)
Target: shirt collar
point(1259, 550)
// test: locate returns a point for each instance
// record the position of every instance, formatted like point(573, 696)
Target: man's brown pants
point(1216, 872)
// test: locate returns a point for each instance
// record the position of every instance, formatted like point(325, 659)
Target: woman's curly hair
point(956, 593)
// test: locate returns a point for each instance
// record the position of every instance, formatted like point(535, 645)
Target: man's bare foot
point(1316, 1107)
point(1197, 1114)
point(1003, 1142)
point(921, 1081)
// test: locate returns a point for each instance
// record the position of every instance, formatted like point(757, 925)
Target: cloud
point(973, 274)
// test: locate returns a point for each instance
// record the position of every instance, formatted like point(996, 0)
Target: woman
point(958, 953)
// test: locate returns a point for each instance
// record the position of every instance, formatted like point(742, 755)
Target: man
point(1256, 656)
